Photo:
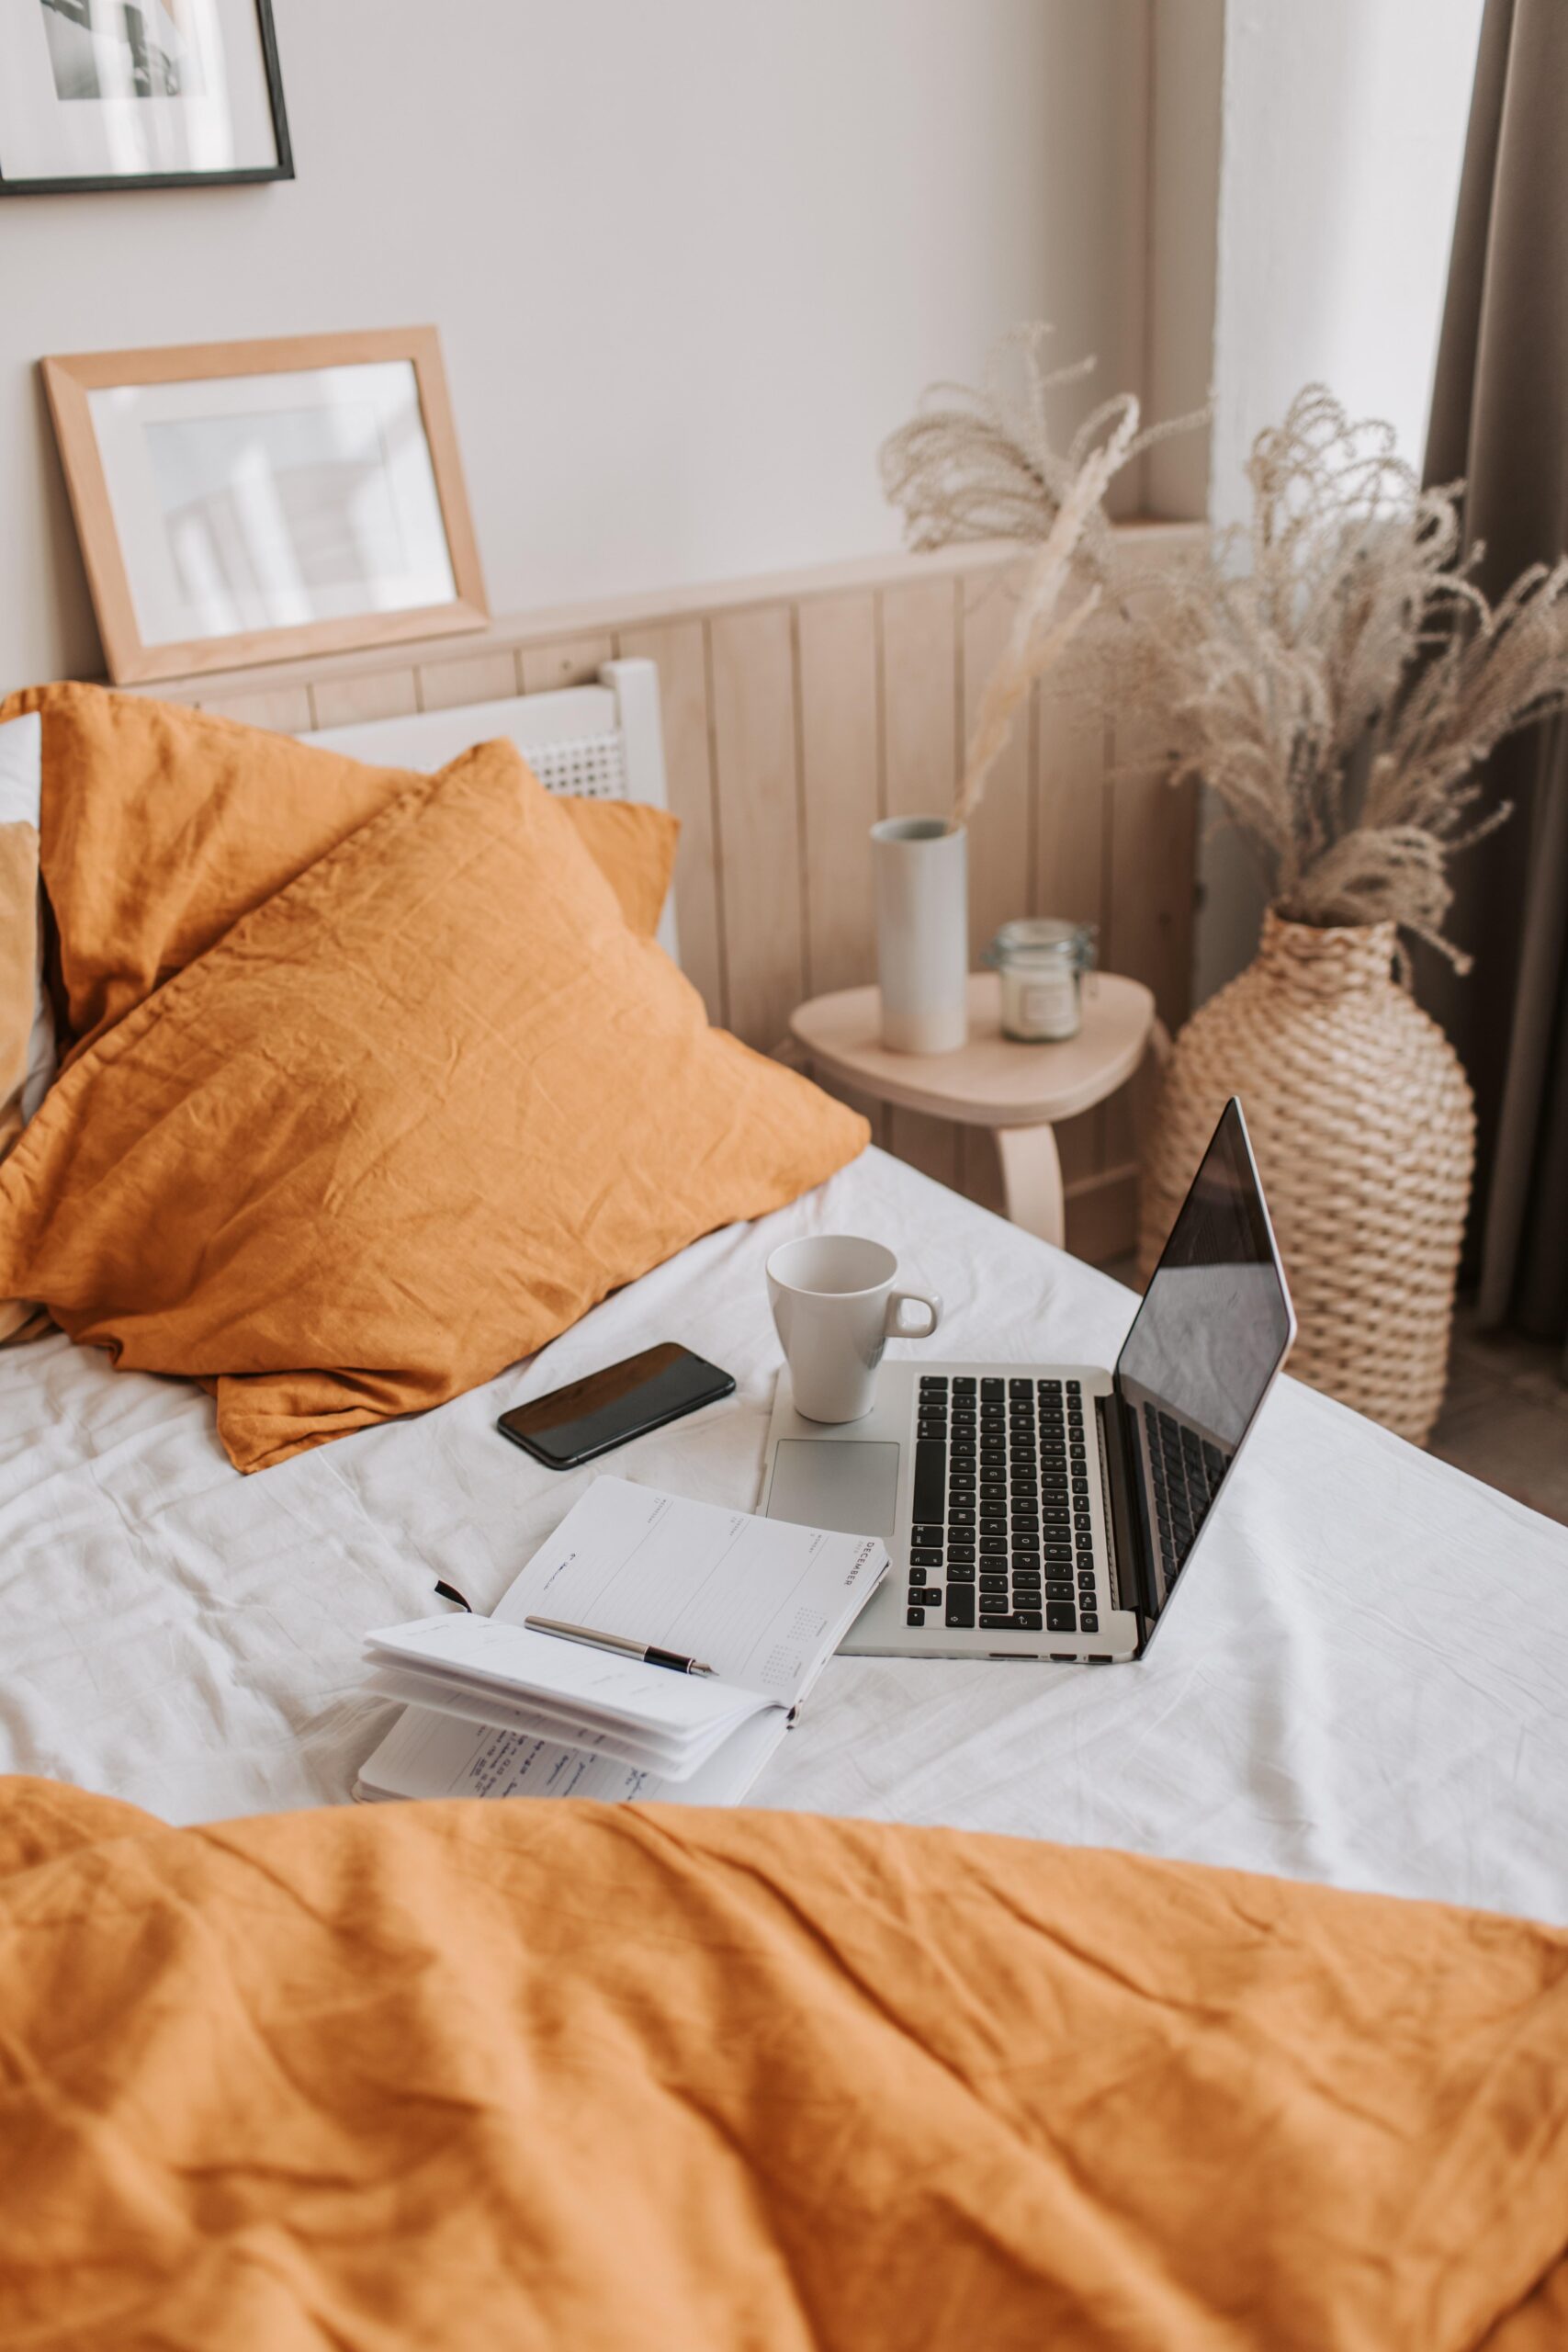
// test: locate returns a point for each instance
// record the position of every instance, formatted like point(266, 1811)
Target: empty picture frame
point(245, 502)
point(119, 94)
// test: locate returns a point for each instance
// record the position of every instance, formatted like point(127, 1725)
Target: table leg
point(1032, 1181)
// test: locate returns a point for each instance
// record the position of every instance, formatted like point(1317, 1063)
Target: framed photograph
point(109, 94)
point(241, 502)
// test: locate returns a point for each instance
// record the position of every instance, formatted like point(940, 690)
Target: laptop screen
point(1211, 1334)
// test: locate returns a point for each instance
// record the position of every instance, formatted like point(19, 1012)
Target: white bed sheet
point(1364, 1678)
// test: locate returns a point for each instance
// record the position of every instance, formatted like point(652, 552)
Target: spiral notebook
point(500, 1710)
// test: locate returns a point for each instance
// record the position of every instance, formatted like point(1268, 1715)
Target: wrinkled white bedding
point(1364, 1678)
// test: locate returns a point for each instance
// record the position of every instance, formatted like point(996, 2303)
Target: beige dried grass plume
point(978, 464)
point(1336, 677)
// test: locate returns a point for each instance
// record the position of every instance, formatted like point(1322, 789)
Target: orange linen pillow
point(405, 1123)
point(160, 827)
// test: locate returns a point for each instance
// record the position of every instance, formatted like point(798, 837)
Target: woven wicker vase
point(1363, 1126)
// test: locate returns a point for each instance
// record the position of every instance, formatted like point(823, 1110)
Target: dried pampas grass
point(977, 464)
point(1336, 677)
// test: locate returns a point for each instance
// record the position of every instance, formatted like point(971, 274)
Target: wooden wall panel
point(1000, 843)
point(353, 702)
point(482, 677)
point(681, 653)
point(795, 712)
point(759, 845)
point(930, 1144)
point(286, 709)
point(840, 762)
point(570, 661)
point(919, 697)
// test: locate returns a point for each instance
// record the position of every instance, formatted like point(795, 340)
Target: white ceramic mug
point(836, 1310)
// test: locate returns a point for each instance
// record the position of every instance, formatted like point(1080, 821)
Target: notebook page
point(761, 1601)
point(427, 1755)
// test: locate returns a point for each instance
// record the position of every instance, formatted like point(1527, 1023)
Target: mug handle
point(894, 1324)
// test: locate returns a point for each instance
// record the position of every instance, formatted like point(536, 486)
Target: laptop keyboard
point(1001, 1539)
point(1185, 1470)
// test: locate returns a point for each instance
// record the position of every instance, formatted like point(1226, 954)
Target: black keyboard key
point(914, 1617)
point(960, 1554)
point(930, 1479)
point(931, 1534)
point(960, 1572)
point(930, 1380)
point(993, 1547)
point(1025, 1579)
point(926, 1557)
point(1063, 1551)
point(961, 1609)
point(1021, 1387)
point(1089, 1621)
point(1074, 1387)
point(929, 1597)
point(1061, 1617)
point(1029, 1620)
point(992, 1523)
point(964, 1385)
point(960, 1515)
point(992, 1388)
point(997, 1624)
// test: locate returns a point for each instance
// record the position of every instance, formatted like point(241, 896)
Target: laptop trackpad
point(850, 1485)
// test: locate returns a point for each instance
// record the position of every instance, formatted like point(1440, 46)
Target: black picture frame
point(110, 183)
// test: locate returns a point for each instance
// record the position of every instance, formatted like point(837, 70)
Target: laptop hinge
point(1124, 1520)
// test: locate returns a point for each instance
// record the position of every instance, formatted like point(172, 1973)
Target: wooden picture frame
point(110, 120)
point(126, 464)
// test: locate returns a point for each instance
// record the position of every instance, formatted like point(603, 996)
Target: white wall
point(690, 262)
point(1343, 134)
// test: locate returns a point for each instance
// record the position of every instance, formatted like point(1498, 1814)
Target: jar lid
point(1043, 942)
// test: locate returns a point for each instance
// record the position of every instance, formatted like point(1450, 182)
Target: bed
point(1366, 1682)
point(288, 2070)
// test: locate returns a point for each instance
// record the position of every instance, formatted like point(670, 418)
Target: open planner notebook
point(499, 1710)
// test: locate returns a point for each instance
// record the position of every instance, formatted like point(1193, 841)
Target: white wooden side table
point(1018, 1091)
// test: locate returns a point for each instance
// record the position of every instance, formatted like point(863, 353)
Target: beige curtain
point(1500, 420)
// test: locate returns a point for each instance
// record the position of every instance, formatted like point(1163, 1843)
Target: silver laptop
point(1048, 1510)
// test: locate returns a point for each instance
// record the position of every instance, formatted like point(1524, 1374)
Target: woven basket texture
point(1363, 1126)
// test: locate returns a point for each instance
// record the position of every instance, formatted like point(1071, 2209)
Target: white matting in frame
point(271, 502)
point(106, 93)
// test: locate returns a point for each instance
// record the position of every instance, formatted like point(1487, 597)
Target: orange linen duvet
point(518, 2075)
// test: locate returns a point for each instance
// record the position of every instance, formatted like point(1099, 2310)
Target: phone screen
point(608, 1407)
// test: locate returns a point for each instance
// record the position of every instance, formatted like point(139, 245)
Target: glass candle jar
point(1041, 963)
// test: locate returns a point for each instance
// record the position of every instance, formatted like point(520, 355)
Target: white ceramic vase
point(922, 934)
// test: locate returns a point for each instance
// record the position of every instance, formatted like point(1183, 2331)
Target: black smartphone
point(572, 1424)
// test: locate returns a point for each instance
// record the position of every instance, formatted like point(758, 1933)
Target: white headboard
point(603, 743)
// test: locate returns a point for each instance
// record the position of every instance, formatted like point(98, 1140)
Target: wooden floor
point(1505, 1418)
